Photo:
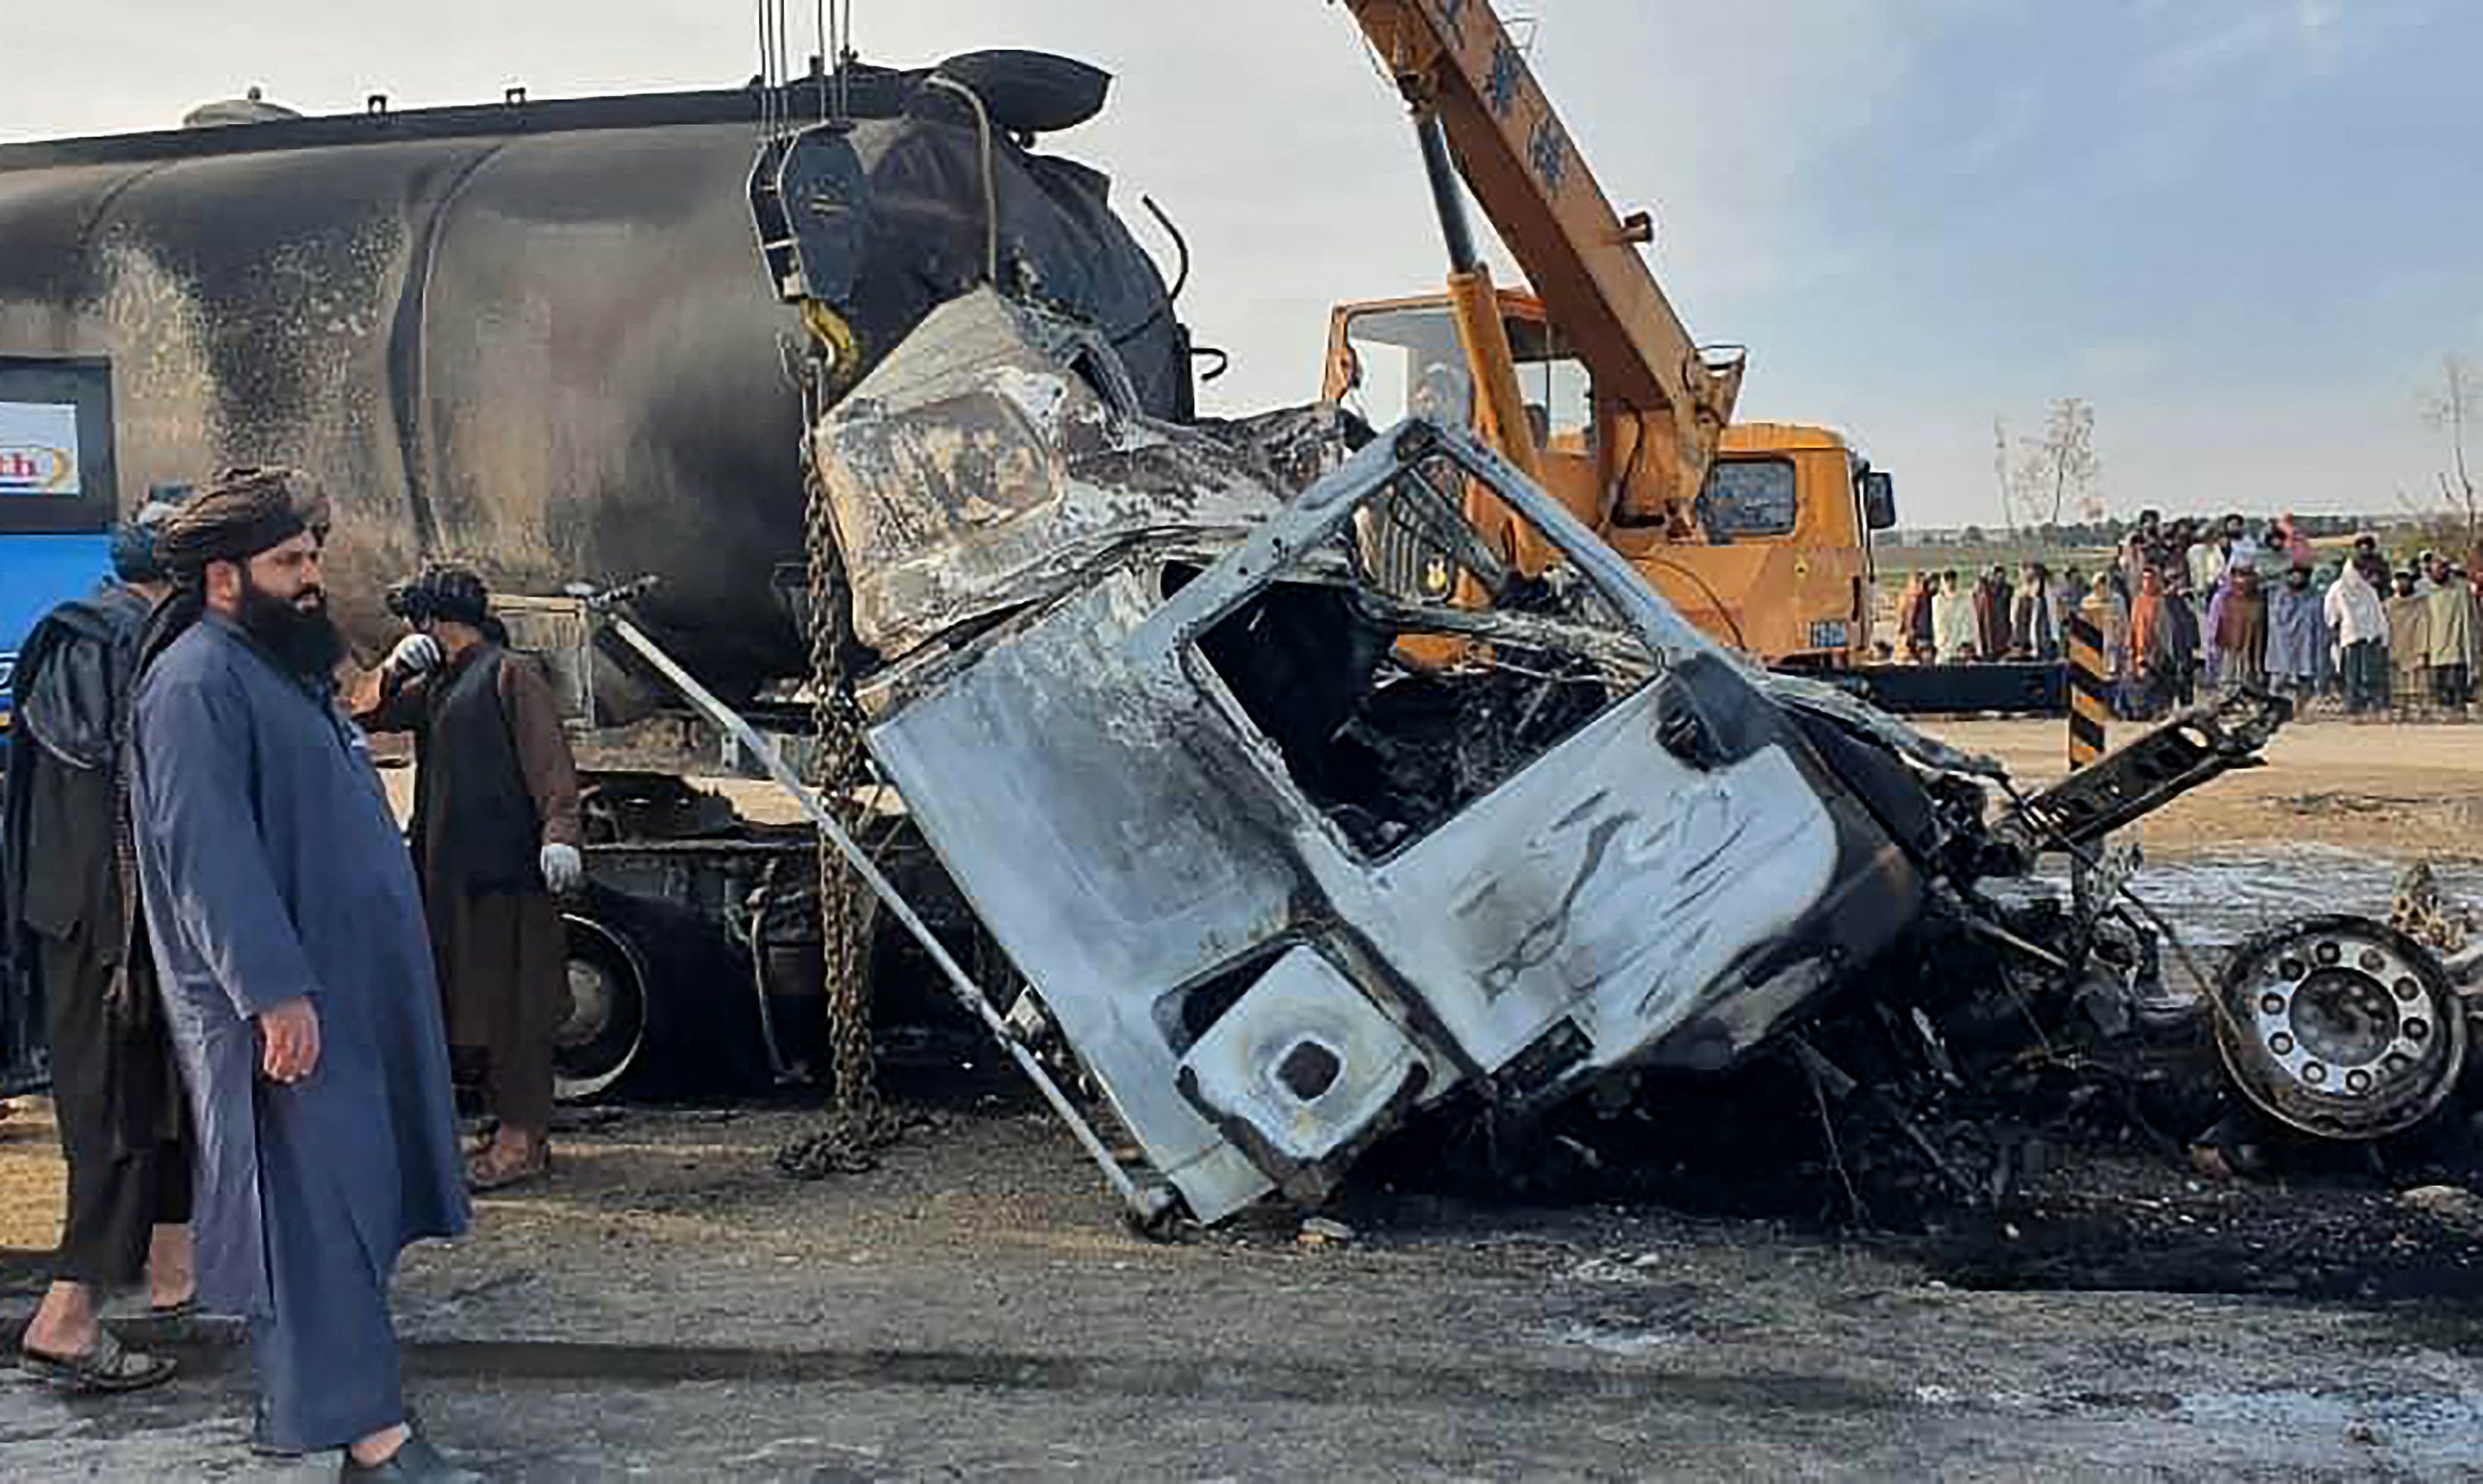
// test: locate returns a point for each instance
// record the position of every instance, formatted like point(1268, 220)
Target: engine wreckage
point(1291, 861)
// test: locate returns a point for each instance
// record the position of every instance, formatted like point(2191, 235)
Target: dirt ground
point(669, 1307)
point(2393, 791)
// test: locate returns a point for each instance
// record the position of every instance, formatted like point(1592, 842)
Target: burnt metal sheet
point(1105, 844)
point(1609, 884)
point(976, 471)
point(1302, 1065)
point(1141, 851)
point(2188, 751)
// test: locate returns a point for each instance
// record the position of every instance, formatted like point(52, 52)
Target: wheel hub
point(2340, 1027)
point(590, 1006)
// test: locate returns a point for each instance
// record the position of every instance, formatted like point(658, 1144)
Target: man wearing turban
point(295, 975)
point(496, 830)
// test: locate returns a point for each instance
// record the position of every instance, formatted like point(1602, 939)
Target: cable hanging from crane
point(836, 57)
point(826, 56)
point(831, 70)
point(847, 55)
point(775, 70)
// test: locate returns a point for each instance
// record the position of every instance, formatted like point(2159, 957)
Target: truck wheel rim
point(2340, 1027)
point(603, 1029)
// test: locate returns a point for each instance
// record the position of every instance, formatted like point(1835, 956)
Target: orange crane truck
point(1589, 381)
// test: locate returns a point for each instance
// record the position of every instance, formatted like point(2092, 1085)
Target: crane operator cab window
point(1405, 361)
point(1408, 361)
point(1560, 396)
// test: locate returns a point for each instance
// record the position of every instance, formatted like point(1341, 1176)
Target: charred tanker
point(530, 337)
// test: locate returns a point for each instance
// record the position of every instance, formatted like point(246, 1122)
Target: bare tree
point(2453, 406)
point(2000, 473)
point(2060, 470)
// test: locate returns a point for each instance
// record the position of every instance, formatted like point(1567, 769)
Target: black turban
point(241, 513)
point(453, 595)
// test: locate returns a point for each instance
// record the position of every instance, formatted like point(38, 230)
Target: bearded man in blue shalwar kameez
point(295, 975)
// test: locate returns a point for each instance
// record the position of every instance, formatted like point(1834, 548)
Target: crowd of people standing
point(2193, 605)
point(1993, 618)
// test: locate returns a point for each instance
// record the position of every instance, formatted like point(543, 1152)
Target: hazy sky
point(2246, 230)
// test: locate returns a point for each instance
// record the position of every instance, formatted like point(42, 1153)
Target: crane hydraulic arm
point(1661, 404)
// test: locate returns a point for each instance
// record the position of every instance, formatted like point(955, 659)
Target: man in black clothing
point(72, 911)
point(496, 838)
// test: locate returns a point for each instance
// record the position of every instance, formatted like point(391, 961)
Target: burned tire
point(603, 1042)
point(2340, 1027)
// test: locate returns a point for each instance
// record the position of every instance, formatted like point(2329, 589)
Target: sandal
point(486, 1173)
point(416, 1461)
point(180, 1310)
point(105, 1366)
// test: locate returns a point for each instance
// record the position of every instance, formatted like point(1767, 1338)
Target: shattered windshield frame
point(1446, 694)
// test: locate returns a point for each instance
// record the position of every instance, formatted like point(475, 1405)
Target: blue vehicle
point(57, 504)
point(57, 494)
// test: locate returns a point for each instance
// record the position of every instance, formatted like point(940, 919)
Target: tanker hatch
point(251, 107)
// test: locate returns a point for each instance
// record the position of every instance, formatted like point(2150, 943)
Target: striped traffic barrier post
point(2090, 709)
point(2090, 692)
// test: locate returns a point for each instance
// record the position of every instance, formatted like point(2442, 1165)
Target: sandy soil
point(2397, 790)
point(33, 1181)
point(2392, 788)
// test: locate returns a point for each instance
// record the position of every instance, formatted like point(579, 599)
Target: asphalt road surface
point(669, 1308)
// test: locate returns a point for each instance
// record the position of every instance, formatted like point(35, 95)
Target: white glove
point(415, 654)
point(564, 869)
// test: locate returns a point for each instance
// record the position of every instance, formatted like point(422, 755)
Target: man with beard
point(295, 975)
point(496, 832)
point(71, 895)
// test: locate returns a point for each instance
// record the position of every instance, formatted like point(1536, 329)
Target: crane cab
point(1780, 564)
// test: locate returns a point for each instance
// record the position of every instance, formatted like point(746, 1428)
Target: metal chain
point(858, 1123)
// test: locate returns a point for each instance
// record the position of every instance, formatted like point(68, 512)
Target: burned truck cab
point(1279, 888)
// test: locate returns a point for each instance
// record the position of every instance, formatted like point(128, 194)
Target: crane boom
point(1661, 403)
